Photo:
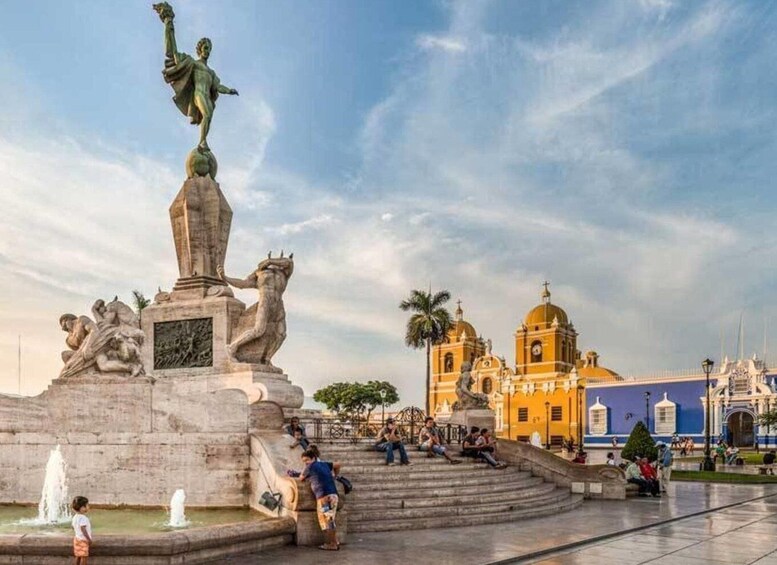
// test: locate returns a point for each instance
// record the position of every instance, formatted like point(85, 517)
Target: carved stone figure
point(111, 342)
point(468, 400)
point(263, 339)
point(196, 88)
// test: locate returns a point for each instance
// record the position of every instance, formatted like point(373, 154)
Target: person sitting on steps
point(486, 446)
point(430, 440)
point(389, 439)
point(295, 430)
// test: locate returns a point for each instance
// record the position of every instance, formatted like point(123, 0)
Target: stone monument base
point(208, 325)
point(483, 418)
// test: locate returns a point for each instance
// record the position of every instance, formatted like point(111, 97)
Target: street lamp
point(708, 464)
point(647, 410)
point(580, 393)
point(383, 407)
point(547, 425)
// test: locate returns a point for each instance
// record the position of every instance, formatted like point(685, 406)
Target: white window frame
point(596, 412)
point(665, 417)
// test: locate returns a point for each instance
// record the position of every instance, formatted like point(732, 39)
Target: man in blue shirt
point(322, 483)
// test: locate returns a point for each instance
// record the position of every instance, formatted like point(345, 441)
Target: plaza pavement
point(525, 540)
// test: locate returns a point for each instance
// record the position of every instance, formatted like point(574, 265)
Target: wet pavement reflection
point(740, 534)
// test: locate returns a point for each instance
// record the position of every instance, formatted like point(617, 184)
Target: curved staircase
point(433, 493)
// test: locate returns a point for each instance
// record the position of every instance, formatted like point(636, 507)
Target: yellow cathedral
point(542, 394)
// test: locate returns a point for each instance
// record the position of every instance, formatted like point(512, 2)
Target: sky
point(622, 150)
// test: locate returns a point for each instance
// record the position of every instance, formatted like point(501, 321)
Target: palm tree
point(139, 301)
point(428, 325)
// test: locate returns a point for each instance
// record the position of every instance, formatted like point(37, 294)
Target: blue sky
point(622, 150)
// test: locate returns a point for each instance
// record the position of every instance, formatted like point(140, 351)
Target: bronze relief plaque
point(183, 344)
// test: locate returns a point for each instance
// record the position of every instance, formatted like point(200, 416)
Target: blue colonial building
point(741, 391)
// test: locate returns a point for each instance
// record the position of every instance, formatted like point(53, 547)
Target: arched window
point(472, 358)
point(563, 351)
point(536, 352)
point(488, 385)
point(448, 363)
point(597, 419)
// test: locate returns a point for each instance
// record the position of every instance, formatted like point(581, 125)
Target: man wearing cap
point(389, 439)
point(665, 459)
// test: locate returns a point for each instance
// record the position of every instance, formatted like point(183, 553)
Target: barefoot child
point(83, 530)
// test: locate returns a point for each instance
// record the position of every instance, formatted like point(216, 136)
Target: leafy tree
point(139, 301)
point(768, 418)
point(428, 325)
point(356, 400)
point(640, 443)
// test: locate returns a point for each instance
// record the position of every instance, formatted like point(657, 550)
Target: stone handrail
point(592, 481)
point(271, 457)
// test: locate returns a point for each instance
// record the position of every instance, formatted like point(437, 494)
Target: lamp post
point(383, 407)
point(580, 396)
point(647, 410)
point(547, 425)
point(708, 464)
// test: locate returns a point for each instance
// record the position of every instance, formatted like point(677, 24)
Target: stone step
point(381, 461)
point(540, 499)
point(391, 501)
point(374, 492)
point(535, 510)
point(380, 468)
point(408, 474)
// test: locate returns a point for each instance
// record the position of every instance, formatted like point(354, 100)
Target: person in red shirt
point(650, 475)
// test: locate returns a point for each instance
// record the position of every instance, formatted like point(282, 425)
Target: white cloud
point(444, 43)
point(387, 216)
point(316, 223)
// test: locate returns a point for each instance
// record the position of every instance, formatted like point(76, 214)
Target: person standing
point(82, 527)
point(389, 439)
point(665, 460)
point(322, 483)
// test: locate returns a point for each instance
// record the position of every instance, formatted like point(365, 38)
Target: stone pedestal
point(188, 339)
point(481, 418)
point(201, 219)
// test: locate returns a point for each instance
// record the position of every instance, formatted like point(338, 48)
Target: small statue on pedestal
point(468, 400)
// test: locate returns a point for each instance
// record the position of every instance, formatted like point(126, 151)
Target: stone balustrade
point(592, 481)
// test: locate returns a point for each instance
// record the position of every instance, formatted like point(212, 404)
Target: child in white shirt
point(83, 530)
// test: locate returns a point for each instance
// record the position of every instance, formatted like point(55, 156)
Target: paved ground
point(481, 545)
point(740, 535)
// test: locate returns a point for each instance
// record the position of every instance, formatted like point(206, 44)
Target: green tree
point(768, 418)
point(640, 443)
point(428, 325)
point(139, 301)
point(356, 400)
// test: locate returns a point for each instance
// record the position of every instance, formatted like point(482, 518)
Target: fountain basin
point(129, 536)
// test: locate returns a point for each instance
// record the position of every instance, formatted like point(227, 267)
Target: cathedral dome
point(546, 312)
point(460, 326)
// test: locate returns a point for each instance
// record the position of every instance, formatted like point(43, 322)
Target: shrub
point(640, 443)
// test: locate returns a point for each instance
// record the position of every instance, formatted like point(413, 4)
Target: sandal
point(326, 548)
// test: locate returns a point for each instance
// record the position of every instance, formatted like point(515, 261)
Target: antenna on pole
point(765, 365)
point(19, 364)
point(740, 345)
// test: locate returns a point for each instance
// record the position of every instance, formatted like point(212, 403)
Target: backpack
point(347, 486)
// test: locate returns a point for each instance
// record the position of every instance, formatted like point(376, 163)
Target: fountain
point(53, 507)
point(177, 514)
